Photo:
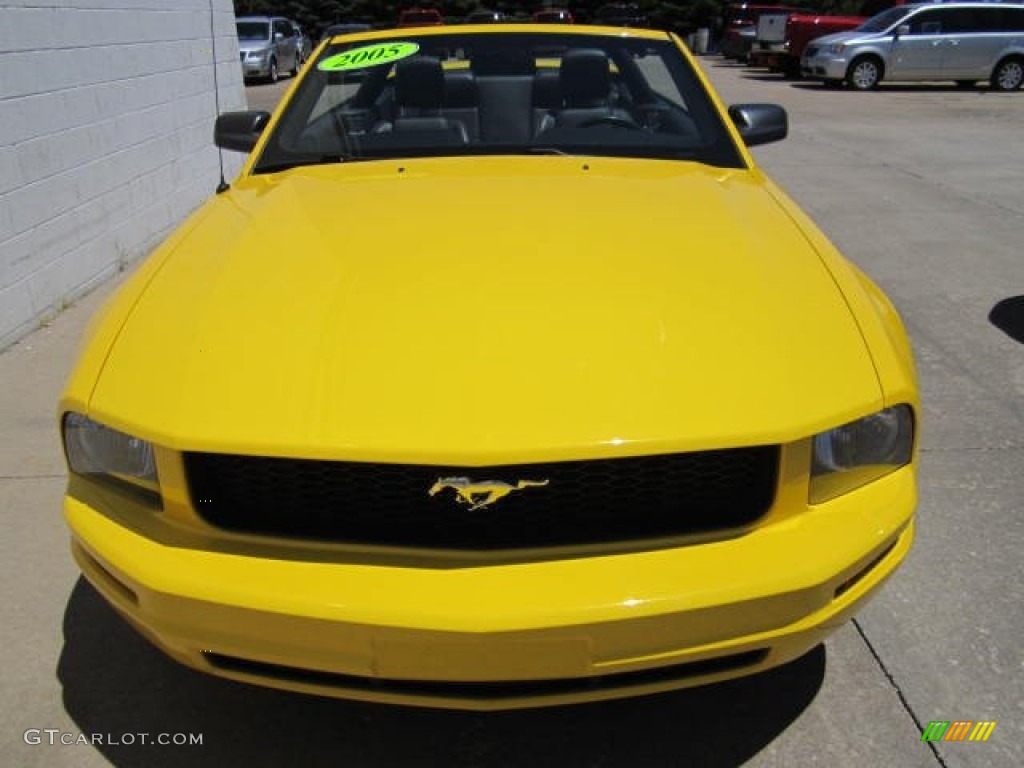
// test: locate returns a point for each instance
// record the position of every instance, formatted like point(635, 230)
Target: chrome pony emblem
point(481, 493)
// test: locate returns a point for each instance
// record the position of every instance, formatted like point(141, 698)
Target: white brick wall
point(106, 126)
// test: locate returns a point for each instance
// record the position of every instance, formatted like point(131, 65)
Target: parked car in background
point(485, 16)
point(769, 38)
point(420, 17)
point(741, 27)
point(267, 46)
point(620, 15)
point(553, 16)
point(305, 43)
point(963, 42)
point(783, 54)
point(349, 28)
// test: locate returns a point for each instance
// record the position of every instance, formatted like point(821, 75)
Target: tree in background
point(680, 16)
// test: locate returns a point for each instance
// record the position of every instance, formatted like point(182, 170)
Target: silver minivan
point(964, 42)
point(268, 45)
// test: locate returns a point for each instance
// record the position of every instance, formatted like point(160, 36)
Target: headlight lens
point(854, 454)
point(837, 48)
point(94, 449)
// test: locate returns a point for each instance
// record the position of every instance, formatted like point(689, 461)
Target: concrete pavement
point(920, 187)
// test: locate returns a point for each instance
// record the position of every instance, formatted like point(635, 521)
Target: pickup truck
point(800, 29)
point(740, 27)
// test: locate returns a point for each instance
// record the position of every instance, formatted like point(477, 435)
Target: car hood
point(838, 37)
point(254, 45)
point(825, 19)
point(481, 310)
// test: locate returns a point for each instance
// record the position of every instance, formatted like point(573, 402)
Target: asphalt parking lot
point(921, 187)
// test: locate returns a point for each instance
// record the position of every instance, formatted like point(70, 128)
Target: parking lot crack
point(899, 691)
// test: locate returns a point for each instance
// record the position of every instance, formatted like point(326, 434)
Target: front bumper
point(505, 635)
point(256, 67)
point(824, 66)
point(768, 57)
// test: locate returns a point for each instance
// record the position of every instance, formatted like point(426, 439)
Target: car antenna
point(223, 186)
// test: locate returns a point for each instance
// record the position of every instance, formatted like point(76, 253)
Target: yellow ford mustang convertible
point(500, 377)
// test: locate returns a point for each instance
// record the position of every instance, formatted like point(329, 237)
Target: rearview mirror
point(760, 123)
point(239, 131)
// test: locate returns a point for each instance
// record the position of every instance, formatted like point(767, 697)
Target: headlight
point(854, 454)
point(837, 48)
point(93, 449)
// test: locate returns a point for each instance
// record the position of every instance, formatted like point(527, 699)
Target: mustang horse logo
point(480, 494)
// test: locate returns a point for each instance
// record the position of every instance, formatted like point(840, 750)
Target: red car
point(420, 17)
point(553, 16)
point(741, 27)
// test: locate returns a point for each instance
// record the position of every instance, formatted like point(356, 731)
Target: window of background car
point(283, 28)
point(928, 23)
point(885, 19)
point(253, 30)
point(500, 93)
point(997, 19)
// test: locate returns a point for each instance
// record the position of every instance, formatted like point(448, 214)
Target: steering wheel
point(617, 121)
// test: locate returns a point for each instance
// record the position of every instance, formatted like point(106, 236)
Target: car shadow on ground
point(725, 63)
point(817, 85)
point(770, 77)
point(115, 683)
point(1008, 317)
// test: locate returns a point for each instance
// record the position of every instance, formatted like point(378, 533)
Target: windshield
point(499, 93)
point(885, 19)
point(253, 30)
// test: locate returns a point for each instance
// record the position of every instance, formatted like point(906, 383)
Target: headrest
point(547, 93)
point(585, 78)
point(460, 90)
point(419, 82)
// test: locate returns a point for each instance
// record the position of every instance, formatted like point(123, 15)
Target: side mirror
point(278, 36)
point(902, 29)
point(239, 131)
point(760, 123)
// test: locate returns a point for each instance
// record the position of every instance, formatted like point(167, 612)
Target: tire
point(864, 73)
point(297, 65)
point(273, 75)
point(1008, 74)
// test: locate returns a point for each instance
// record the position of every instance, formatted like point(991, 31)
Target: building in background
point(106, 124)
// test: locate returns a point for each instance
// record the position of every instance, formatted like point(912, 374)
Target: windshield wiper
point(546, 151)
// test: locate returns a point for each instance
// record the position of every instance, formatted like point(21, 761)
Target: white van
point(965, 42)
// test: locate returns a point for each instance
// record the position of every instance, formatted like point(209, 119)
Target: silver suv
point(268, 45)
point(965, 42)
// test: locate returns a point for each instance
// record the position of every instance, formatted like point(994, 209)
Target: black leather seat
point(462, 101)
point(419, 98)
point(585, 82)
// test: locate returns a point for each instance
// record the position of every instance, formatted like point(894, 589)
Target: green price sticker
point(368, 56)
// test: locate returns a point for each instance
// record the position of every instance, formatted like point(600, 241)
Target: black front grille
point(582, 502)
point(504, 690)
